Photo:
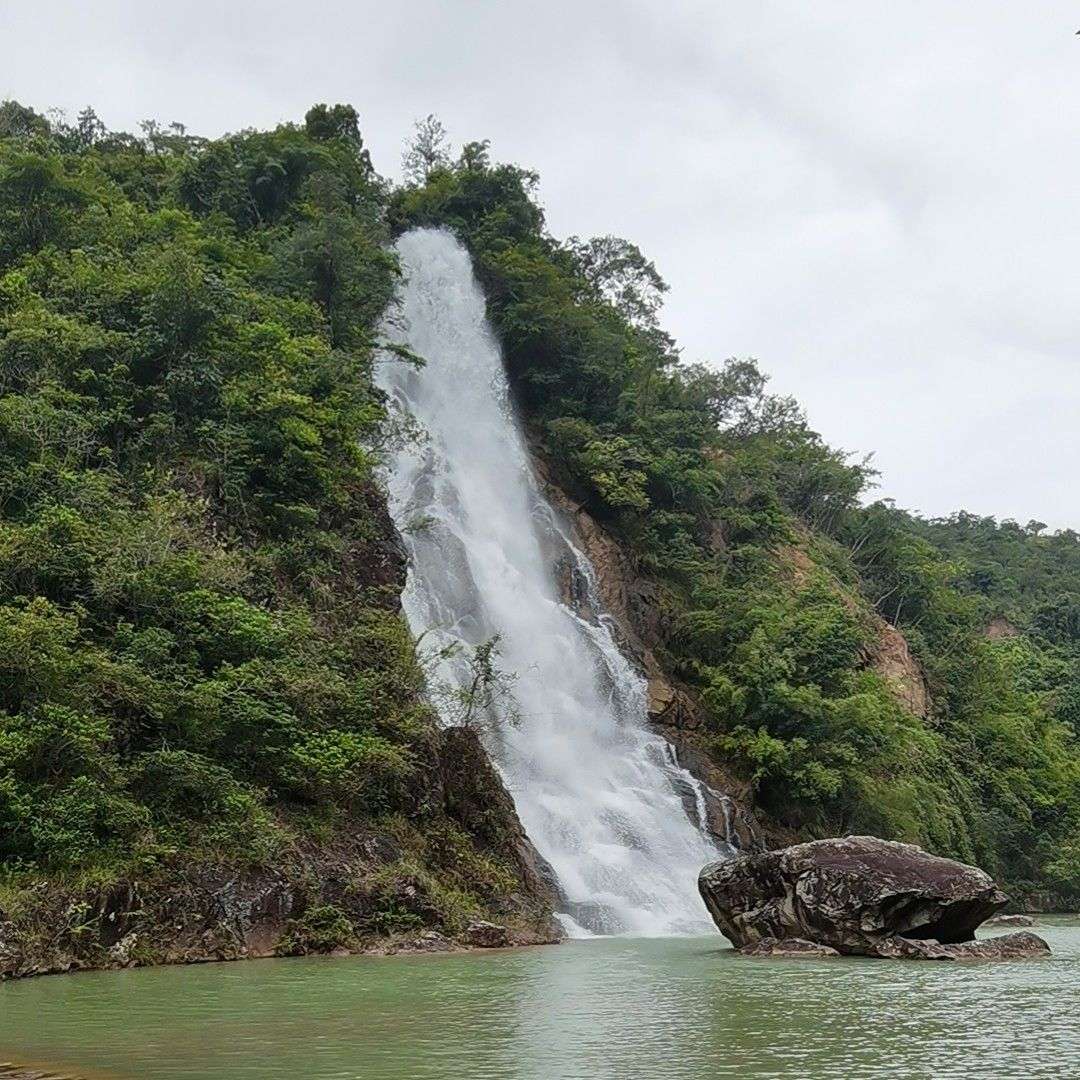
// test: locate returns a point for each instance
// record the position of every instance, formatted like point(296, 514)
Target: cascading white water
point(602, 798)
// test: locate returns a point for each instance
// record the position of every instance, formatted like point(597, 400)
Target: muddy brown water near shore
point(662, 1009)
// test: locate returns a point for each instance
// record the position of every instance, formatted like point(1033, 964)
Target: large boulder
point(857, 895)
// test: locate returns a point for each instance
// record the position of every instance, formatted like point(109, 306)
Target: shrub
point(319, 930)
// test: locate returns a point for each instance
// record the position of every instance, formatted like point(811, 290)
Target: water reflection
point(663, 1009)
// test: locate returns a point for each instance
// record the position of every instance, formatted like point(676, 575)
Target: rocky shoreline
point(362, 890)
point(478, 936)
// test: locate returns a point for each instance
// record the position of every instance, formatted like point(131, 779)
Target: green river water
point(677, 1008)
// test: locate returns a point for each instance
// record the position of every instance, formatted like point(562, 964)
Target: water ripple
point(660, 1009)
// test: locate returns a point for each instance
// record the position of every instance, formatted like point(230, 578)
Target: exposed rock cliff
point(887, 654)
point(891, 658)
point(633, 604)
point(1000, 627)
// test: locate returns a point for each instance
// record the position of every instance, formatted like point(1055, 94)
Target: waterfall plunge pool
point(655, 1009)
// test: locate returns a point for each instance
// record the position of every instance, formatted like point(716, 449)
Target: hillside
point(837, 654)
point(212, 734)
point(210, 706)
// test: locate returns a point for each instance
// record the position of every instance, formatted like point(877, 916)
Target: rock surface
point(891, 658)
point(476, 797)
point(428, 941)
point(18, 1072)
point(887, 653)
point(792, 947)
point(199, 912)
point(634, 605)
point(1021, 946)
point(862, 896)
point(486, 935)
point(1010, 920)
point(999, 627)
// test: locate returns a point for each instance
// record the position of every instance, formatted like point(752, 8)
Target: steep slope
point(213, 739)
point(630, 601)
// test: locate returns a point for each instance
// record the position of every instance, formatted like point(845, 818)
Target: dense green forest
point(201, 656)
point(200, 650)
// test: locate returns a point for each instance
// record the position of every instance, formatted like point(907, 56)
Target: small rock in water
point(1020, 946)
point(17, 1072)
point(486, 935)
point(787, 947)
point(1010, 920)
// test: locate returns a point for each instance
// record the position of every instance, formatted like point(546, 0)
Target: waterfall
point(601, 796)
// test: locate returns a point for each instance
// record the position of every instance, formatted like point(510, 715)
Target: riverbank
point(217, 916)
point(469, 878)
point(481, 937)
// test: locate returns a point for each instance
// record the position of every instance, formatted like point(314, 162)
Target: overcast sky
point(879, 201)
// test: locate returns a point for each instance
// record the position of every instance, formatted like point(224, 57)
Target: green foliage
point(199, 651)
point(775, 583)
point(426, 151)
point(319, 930)
point(327, 122)
point(20, 122)
point(483, 701)
point(412, 892)
point(194, 647)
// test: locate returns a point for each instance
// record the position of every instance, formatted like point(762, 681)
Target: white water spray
point(601, 797)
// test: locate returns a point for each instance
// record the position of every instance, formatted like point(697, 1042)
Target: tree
point(426, 151)
point(475, 155)
point(1058, 619)
point(89, 127)
point(20, 121)
point(323, 122)
point(36, 200)
point(169, 139)
point(468, 687)
point(620, 273)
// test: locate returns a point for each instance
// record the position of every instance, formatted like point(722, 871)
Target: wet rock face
point(858, 895)
point(789, 947)
point(476, 797)
point(634, 606)
point(1021, 946)
point(486, 935)
point(15, 1072)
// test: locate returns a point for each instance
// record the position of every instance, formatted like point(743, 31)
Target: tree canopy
point(199, 643)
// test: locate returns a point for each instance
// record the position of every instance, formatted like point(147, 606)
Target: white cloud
point(879, 201)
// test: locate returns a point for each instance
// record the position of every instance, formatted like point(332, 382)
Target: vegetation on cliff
point(201, 656)
point(775, 578)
